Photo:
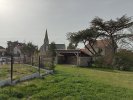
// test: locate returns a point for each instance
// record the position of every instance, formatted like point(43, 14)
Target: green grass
point(71, 83)
point(19, 70)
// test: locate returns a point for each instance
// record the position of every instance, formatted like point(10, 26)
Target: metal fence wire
point(16, 67)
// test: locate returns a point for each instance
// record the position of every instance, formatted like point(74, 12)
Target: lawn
point(72, 83)
point(19, 70)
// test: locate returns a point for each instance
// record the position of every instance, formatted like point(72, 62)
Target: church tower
point(46, 42)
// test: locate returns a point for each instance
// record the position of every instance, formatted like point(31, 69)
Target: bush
point(99, 62)
point(3, 97)
point(48, 65)
point(124, 60)
point(102, 62)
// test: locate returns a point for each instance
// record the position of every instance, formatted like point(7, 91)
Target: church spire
point(46, 41)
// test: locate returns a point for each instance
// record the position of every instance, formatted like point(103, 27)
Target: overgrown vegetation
point(19, 70)
point(72, 83)
point(124, 60)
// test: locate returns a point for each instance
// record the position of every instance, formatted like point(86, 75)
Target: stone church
point(45, 47)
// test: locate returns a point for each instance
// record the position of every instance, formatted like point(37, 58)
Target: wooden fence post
point(11, 68)
point(32, 59)
point(39, 65)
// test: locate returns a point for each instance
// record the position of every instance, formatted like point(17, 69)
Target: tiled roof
point(72, 52)
point(101, 43)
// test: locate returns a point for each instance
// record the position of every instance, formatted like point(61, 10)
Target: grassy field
point(19, 70)
point(72, 83)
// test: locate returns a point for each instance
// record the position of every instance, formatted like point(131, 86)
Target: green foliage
point(124, 60)
point(87, 37)
point(111, 27)
point(48, 65)
point(102, 29)
point(52, 49)
point(19, 70)
point(11, 45)
point(29, 49)
point(102, 62)
point(4, 96)
point(71, 46)
point(99, 62)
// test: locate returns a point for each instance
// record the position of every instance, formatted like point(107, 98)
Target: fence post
point(11, 68)
point(39, 65)
point(32, 60)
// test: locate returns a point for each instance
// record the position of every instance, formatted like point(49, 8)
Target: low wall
point(8, 82)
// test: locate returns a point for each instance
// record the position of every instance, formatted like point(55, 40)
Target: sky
point(27, 20)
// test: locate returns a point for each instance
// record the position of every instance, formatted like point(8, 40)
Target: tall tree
point(52, 49)
point(111, 28)
point(87, 37)
point(11, 45)
point(29, 49)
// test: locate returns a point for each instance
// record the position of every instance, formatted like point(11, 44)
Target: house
point(17, 50)
point(2, 51)
point(73, 57)
point(14, 47)
point(45, 47)
point(101, 46)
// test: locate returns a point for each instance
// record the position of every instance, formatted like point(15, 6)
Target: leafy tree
point(111, 28)
point(124, 60)
point(52, 49)
point(29, 49)
point(71, 46)
point(11, 45)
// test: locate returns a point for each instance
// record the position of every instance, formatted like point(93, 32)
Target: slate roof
point(60, 46)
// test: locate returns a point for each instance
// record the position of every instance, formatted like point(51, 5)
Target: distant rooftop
point(60, 46)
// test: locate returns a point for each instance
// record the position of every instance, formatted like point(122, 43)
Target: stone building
point(73, 57)
point(2, 51)
point(102, 46)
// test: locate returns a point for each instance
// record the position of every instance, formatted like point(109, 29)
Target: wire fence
point(14, 68)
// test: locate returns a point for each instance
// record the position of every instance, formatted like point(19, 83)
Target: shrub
point(123, 60)
point(99, 62)
point(48, 65)
point(102, 62)
point(3, 97)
